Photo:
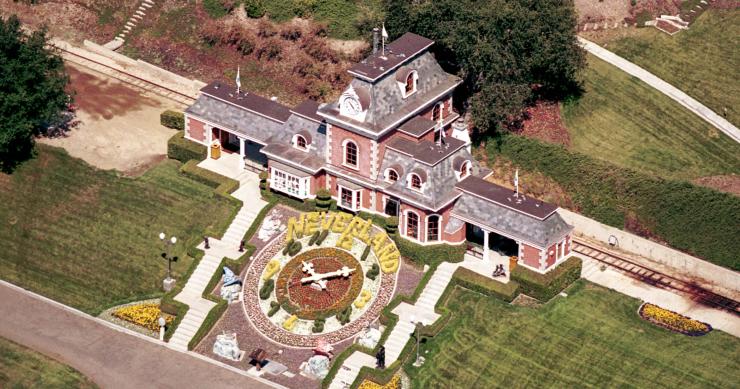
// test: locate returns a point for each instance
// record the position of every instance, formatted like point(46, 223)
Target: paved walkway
point(108, 355)
point(669, 90)
point(421, 311)
point(616, 280)
point(227, 246)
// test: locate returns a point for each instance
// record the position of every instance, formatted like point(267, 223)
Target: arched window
point(300, 141)
point(433, 228)
point(391, 175)
point(350, 154)
point(410, 84)
point(464, 169)
point(412, 225)
point(437, 113)
point(415, 182)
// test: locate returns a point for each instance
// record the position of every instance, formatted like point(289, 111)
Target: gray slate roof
point(541, 233)
point(387, 105)
point(439, 188)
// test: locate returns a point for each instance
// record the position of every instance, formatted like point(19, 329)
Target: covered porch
point(236, 150)
point(492, 248)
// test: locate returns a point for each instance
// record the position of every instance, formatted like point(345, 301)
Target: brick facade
point(196, 130)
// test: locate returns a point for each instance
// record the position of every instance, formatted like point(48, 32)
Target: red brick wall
point(530, 256)
point(552, 255)
point(422, 220)
point(317, 182)
point(338, 136)
point(196, 130)
point(456, 236)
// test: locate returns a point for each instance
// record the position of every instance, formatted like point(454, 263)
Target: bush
point(254, 8)
point(294, 248)
point(322, 236)
point(373, 272)
point(609, 194)
point(274, 307)
point(266, 289)
point(643, 17)
point(223, 185)
point(314, 238)
point(391, 225)
point(184, 150)
point(485, 285)
point(365, 253)
point(431, 254)
point(263, 180)
point(286, 248)
point(216, 8)
point(172, 119)
point(323, 199)
point(318, 325)
point(543, 287)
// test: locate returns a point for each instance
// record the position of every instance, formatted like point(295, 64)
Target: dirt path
point(119, 126)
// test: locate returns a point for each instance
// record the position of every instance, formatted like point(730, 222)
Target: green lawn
point(88, 238)
point(593, 338)
point(623, 120)
point(21, 367)
point(703, 61)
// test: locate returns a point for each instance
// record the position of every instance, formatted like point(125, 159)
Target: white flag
point(384, 33)
point(238, 80)
point(516, 179)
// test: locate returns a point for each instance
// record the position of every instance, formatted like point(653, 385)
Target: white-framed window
point(465, 169)
point(437, 112)
point(287, 183)
point(412, 225)
point(391, 175)
point(299, 142)
point(351, 154)
point(409, 87)
point(350, 199)
point(415, 182)
point(433, 231)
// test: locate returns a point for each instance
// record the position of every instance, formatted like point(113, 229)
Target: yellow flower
point(672, 319)
point(145, 315)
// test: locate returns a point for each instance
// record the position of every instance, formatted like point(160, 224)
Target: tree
point(508, 52)
point(32, 90)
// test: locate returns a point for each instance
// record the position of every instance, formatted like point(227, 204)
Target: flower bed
point(144, 315)
point(673, 321)
point(394, 383)
point(307, 302)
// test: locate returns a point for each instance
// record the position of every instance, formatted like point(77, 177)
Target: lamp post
point(418, 324)
point(161, 323)
point(168, 282)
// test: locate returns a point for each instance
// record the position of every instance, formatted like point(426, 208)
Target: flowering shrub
point(672, 320)
point(394, 383)
point(145, 315)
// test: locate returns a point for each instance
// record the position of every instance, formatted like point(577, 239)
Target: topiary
point(314, 238)
point(343, 315)
point(322, 236)
point(287, 246)
point(172, 119)
point(294, 248)
point(373, 272)
point(365, 253)
point(274, 307)
point(323, 199)
point(391, 225)
point(266, 289)
point(318, 325)
point(263, 180)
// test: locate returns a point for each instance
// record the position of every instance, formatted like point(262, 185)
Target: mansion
point(392, 145)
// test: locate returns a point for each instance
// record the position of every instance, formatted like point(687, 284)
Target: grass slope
point(21, 367)
point(624, 121)
point(703, 61)
point(592, 338)
point(88, 238)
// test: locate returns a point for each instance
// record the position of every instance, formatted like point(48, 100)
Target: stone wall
point(662, 258)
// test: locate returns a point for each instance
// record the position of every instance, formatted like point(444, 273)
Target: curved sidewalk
point(669, 90)
point(110, 357)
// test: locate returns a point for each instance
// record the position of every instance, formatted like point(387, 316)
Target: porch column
point(485, 245)
point(209, 139)
point(242, 152)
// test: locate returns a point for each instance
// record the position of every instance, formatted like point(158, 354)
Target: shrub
point(291, 32)
point(322, 236)
point(254, 8)
point(323, 199)
point(365, 253)
point(184, 150)
point(263, 180)
point(318, 325)
point(215, 8)
point(274, 307)
point(543, 287)
point(287, 246)
point(266, 289)
point(343, 315)
point(172, 119)
point(431, 254)
point(391, 224)
point(265, 29)
point(643, 17)
point(373, 272)
point(608, 193)
point(294, 248)
point(476, 282)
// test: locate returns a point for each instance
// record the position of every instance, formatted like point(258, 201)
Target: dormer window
point(300, 142)
point(415, 182)
point(464, 169)
point(437, 113)
point(350, 154)
point(391, 175)
point(410, 84)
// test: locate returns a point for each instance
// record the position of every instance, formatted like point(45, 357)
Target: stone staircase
point(118, 41)
point(348, 372)
point(227, 246)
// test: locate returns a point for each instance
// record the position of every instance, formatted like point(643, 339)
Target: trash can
point(215, 150)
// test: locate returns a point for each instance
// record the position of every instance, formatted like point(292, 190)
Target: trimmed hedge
point(476, 282)
point(172, 119)
point(168, 304)
point(688, 217)
point(223, 185)
point(184, 150)
point(429, 254)
point(543, 287)
point(210, 320)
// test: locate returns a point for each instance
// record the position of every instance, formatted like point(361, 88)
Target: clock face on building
point(352, 105)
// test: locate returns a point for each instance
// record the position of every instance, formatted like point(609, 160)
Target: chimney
point(376, 39)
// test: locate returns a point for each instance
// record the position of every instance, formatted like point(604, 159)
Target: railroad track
point(128, 78)
point(655, 278)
